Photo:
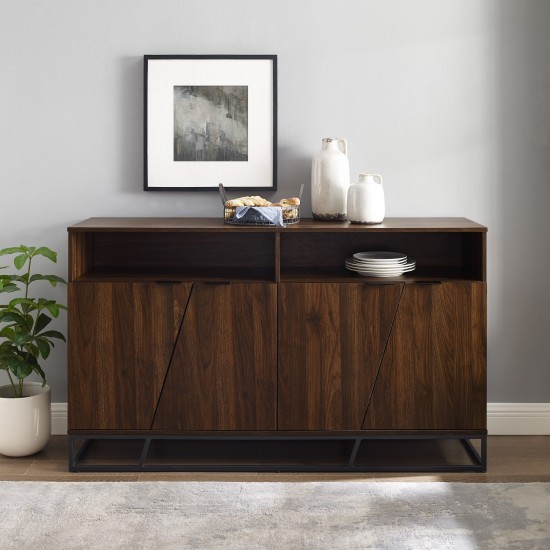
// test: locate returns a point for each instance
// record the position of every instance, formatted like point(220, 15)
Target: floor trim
point(518, 418)
point(59, 418)
point(502, 418)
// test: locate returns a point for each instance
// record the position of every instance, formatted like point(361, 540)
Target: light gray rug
point(331, 515)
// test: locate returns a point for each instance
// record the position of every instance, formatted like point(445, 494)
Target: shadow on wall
point(294, 168)
point(130, 159)
point(519, 241)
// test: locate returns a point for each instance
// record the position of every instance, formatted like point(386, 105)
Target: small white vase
point(25, 422)
point(366, 203)
point(330, 180)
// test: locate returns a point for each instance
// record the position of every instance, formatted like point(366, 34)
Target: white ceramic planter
point(366, 202)
point(25, 423)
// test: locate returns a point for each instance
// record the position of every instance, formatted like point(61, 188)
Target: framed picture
point(210, 119)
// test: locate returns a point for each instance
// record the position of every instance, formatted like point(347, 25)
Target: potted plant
point(25, 341)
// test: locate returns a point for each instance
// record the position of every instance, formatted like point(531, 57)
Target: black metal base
point(277, 453)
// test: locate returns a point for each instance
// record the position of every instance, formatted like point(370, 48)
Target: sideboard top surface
point(128, 224)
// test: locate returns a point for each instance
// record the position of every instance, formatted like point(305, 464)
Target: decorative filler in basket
point(255, 210)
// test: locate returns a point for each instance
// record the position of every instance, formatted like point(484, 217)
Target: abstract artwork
point(210, 123)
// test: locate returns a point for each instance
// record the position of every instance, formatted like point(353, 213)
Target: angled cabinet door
point(331, 342)
point(223, 375)
point(433, 374)
point(121, 338)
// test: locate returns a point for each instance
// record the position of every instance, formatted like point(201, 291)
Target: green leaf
point(32, 350)
point(28, 322)
point(18, 363)
point(9, 287)
point(44, 347)
point(21, 338)
point(12, 317)
point(20, 261)
point(21, 370)
point(53, 334)
point(42, 322)
point(53, 309)
point(26, 301)
point(36, 368)
point(46, 252)
point(21, 278)
point(7, 332)
point(11, 250)
point(53, 279)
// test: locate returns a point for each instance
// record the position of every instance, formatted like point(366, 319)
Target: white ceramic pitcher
point(366, 202)
point(330, 180)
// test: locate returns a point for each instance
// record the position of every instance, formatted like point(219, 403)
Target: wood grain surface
point(120, 339)
point(433, 372)
point(223, 375)
point(331, 341)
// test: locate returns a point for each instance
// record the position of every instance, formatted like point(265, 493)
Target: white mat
point(331, 515)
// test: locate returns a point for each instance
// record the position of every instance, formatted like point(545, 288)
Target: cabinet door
point(121, 337)
point(223, 375)
point(331, 341)
point(433, 375)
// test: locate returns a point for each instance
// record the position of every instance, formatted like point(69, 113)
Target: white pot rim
point(30, 389)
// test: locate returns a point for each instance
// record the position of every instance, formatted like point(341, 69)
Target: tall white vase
point(330, 180)
point(25, 422)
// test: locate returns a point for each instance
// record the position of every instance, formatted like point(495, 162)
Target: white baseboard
point(502, 418)
point(518, 418)
point(59, 418)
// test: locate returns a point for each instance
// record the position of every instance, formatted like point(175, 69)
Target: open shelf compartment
point(190, 256)
point(448, 255)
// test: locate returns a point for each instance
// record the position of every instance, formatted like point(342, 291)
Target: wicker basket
point(291, 213)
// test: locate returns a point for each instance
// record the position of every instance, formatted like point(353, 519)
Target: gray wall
point(450, 101)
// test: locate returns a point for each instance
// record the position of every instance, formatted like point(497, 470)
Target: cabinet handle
point(427, 283)
point(168, 282)
point(216, 283)
point(382, 284)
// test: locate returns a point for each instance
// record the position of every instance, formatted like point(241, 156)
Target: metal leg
point(232, 463)
point(144, 452)
point(73, 464)
point(354, 451)
point(480, 459)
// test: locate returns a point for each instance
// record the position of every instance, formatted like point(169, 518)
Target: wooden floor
point(510, 459)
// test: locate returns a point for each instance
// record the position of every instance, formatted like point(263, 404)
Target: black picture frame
point(185, 97)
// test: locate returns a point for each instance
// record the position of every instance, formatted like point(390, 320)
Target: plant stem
point(27, 284)
point(28, 277)
point(12, 383)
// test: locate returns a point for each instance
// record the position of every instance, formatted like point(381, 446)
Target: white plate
point(357, 266)
point(369, 274)
point(407, 267)
point(380, 262)
point(395, 272)
point(377, 264)
point(365, 265)
point(380, 256)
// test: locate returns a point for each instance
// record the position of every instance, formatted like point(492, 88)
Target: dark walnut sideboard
point(199, 346)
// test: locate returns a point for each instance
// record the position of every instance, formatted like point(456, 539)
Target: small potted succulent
point(25, 341)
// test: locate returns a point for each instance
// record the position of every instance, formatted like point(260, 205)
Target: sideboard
point(199, 346)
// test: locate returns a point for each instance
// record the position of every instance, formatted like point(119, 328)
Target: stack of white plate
point(380, 264)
